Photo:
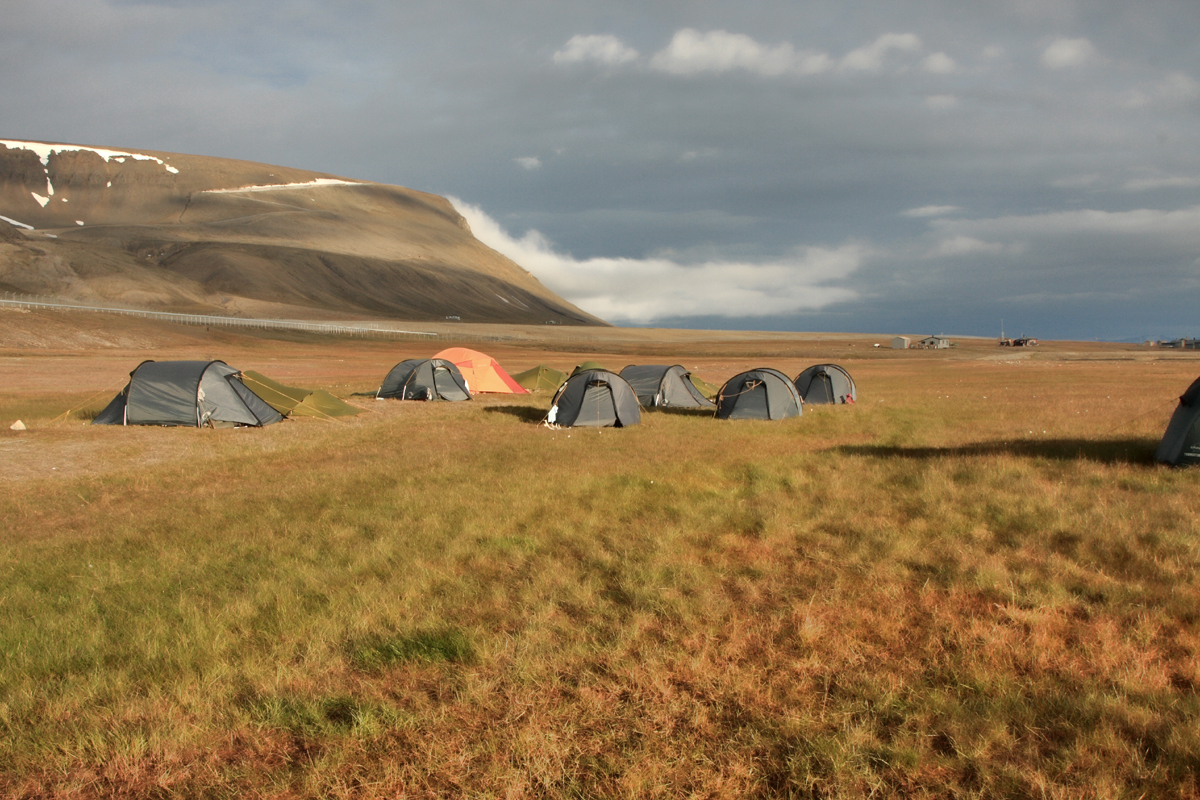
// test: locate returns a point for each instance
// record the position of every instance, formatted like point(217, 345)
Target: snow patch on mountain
point(18, 224)
point(44, 152)
point(273, 187)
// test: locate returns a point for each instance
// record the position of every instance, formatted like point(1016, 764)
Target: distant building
point(934, 343)
point(901, 343)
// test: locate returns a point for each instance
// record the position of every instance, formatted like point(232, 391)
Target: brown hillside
point(201, 234)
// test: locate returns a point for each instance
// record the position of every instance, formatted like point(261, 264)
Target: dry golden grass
point(974, 583)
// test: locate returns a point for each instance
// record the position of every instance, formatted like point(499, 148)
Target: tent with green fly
point(187, 393)
point(705, 388)
point(294, 402)
point(587, 365)
point(540, 379)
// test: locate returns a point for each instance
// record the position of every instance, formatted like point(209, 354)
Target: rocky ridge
point(211, 235)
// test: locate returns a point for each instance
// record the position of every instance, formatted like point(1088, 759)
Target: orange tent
point(482, 372)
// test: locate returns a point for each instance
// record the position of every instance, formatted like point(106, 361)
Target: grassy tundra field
point(973, 583)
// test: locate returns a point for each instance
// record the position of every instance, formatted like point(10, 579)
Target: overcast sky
point(917, 167)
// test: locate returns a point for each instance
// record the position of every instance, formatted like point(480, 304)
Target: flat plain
point(975, 582)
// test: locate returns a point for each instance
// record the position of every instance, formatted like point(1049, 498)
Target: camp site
point(977, 578)
point(589, 401)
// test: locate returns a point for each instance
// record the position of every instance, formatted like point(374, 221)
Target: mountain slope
point(202, 234)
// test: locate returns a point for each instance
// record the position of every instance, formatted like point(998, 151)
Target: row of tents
point(214, 394)
point(211, 393)
point(596, 397)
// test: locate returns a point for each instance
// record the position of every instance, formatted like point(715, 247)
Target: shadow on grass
point(523, 413)
point(1105, 451)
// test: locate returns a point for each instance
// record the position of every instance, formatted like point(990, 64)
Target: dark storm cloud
point(846, 165)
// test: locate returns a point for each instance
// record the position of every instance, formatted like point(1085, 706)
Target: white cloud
point(1065, 53)
point(528, 162)
point(1085, 238)
point(643, 290)
point(1174, 90)
point(938, 64)
point(691, 52)
point(692, 155)
point(955, 246)
point(941, 101)
point(604, 49)
point(1183, 222)
point(930, 211)
point(1070, 259)
point(871, 57)
point(1171, 182)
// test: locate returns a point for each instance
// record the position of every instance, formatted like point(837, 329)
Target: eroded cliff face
point(180, 231)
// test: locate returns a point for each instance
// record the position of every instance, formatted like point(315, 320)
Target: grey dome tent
point(595, 398)
point(191, 393)
point(1180, 445)
point(762, 393)
point(425, 379)
point(662, 386)
point(826, 384)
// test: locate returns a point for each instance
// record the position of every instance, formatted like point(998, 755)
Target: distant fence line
point(38, 301)
point(366, 331)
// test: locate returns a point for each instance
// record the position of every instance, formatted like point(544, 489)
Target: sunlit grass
point(953, 588)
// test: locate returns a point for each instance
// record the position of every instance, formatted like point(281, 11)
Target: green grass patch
point(441, 645)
